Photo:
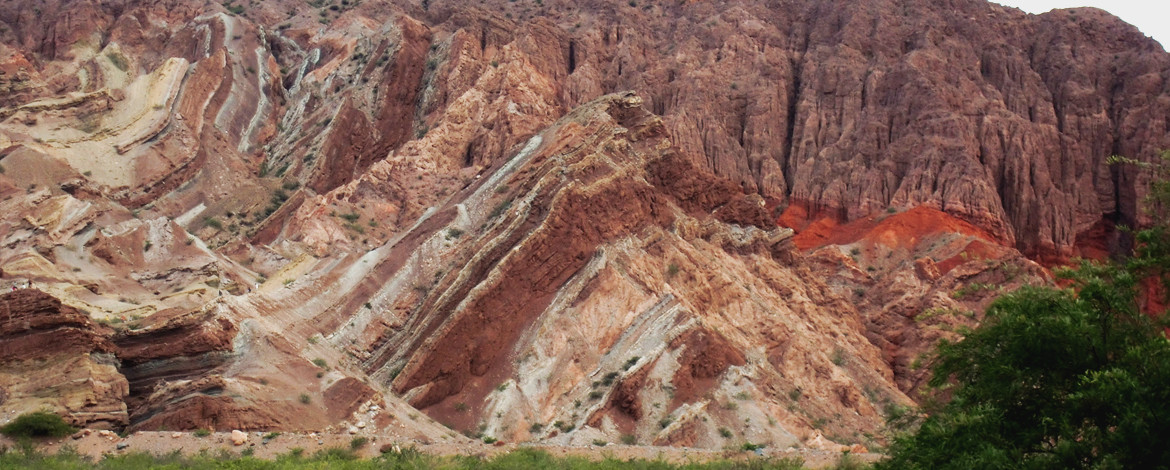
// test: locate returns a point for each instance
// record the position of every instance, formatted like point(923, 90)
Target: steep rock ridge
point(523, 298)
point(55, 356)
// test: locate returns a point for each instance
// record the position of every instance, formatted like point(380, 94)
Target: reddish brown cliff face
point(649, 218)
point(53, 356)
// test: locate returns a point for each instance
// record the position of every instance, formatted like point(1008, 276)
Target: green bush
point(37, 424)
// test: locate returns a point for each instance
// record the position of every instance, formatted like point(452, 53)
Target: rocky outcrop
point(287, 210)
point(52, 356)
point(597, 279)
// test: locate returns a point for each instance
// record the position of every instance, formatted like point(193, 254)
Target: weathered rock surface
point(289, 210)
point(52, 355)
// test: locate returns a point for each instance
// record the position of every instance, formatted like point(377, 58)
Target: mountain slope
point(556, 220)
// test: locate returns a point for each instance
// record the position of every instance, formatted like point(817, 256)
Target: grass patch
point(347, 459)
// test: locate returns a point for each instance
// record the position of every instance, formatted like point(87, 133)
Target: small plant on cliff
point(358, 442)
point(500, 209)
point(37, 424)
point(726, 433)
point(838, 357)
point(118, 60)
point(970, 290)
point(305, 399)
point(630, 362)
point(202, 432)
point(320, 363)
point(629, 439)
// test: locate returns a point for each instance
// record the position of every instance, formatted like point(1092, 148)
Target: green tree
point(1075, 377)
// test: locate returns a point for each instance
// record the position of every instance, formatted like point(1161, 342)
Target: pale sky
point(1150, 16)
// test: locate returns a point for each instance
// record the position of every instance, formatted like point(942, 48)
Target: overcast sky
point(1150, 16)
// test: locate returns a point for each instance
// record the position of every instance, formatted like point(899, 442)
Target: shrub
point(726, 433)
point(320, 363)
point(630, 362)
point(202, 432)
point(358, 442)
point(118, 60)
point(305, 399)
point(629, 439)
point(37, 424)
point(838, 356)
point(500, 209)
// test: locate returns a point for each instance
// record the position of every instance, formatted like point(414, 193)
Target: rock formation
point(557, 221)
point(56, 357)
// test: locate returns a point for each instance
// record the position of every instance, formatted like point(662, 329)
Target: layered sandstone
point(293, 212)
point(55, 357)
